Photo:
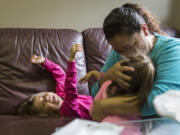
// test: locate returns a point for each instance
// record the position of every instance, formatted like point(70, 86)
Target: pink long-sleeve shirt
point(74, 105)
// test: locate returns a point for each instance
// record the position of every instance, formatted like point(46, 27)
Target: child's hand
point(75, 48)
point(95, 74)
point(37, 59)
point(86, 78)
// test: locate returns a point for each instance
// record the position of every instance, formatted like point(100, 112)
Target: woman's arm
point(167, 63)
point(115, 106)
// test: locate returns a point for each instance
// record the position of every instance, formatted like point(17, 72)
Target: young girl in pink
point(66, 101)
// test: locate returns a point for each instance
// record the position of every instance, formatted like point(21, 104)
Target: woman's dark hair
point(127, 20)
point(142, 79)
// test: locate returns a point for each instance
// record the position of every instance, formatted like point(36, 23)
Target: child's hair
point(142, 79)
point(27, 108)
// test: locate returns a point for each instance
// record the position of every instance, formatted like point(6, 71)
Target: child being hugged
point(66, 101)
point(140, 86)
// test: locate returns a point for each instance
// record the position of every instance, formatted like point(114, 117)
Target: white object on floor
point(163, 128)
point(86, 127)
point(168, 104)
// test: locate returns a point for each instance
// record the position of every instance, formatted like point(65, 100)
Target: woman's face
point(129, 45)
point(47, 102)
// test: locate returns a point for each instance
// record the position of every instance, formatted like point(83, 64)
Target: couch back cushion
point(170, 31)
point(18, 77)
point(96, 49)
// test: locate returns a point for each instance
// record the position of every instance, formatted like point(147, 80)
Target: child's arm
point(70, 105)
point(92, 74)
point(56, 71)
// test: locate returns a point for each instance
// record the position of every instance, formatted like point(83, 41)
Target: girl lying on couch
point(66, 101)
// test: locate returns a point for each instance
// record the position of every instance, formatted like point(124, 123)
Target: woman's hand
point(75, 48)
point(92, 74)
point(115, 73)
point(98, 113)
point(37, 59)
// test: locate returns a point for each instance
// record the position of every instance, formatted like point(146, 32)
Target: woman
point(130, 29)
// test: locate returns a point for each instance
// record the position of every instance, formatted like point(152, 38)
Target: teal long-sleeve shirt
point(166, 58)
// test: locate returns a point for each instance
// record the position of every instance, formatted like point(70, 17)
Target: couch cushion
point(18, 77)
point(170, 31)
point(96, 49)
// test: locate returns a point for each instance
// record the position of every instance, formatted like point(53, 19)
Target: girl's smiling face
point(47, 102)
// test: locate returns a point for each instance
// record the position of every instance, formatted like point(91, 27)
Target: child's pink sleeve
point(70, 106)
point(58, 74)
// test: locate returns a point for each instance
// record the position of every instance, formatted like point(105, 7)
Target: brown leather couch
point(20, 79)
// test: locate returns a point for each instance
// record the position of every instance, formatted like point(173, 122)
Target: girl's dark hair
point(27, 108)
point(142, 79)
point(127, 20)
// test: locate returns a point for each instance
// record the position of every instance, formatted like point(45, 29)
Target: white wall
point(174, 19)
point(73, 14)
